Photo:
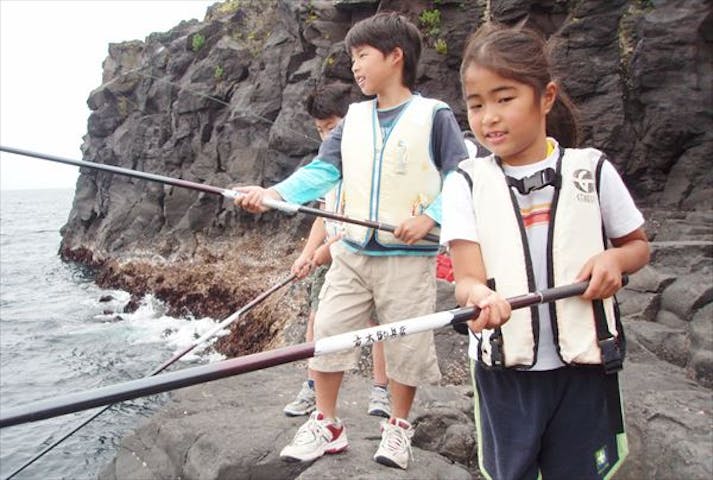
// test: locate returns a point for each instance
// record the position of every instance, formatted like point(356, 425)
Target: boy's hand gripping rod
point(232, 194)
point(205, 337)
point(248, 363)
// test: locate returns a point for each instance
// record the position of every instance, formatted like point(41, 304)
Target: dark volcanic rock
point(220, 102)
point(235, 429)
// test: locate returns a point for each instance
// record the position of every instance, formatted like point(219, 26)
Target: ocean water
point(57, 337)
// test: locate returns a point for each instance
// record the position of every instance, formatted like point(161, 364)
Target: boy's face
point(374, 71)
point(326, 125)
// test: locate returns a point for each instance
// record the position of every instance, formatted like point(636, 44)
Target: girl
point(533, 215)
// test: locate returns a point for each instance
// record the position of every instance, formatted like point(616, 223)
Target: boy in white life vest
point(534, 215)
point(390, 154)
point(327, 105)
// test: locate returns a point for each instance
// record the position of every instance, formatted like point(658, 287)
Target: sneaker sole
point(295, 413)
point(309, 458)
point(388, 462)
point(377, 412)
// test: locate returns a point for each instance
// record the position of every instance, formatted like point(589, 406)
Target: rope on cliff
point(191, 376)
point(205, 337)
point(232, 194)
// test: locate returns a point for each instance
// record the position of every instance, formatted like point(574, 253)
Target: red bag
point(444, 267)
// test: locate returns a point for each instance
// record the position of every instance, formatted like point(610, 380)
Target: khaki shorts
point(394, 288)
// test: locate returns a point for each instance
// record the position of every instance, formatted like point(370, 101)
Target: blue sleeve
point(309, 182)
point(434, 209)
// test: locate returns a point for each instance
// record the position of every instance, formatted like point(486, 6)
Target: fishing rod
point(191, 376)
point(224, 324)
point(226, 192)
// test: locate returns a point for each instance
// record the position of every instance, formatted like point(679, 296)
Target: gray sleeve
point(330, 151)
point(447, 144)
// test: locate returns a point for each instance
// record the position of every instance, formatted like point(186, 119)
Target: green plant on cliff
point(310, 12)
point(197, 42)
point(430, 21)
point(255, 26)
point(218, 72)
point(629, 37)
point(441, 46)
point(229, 7)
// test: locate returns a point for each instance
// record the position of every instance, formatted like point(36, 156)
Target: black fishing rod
point(191, 376)
point(208, 335)
point(226, 192)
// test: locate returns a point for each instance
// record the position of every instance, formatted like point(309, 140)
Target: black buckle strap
point(536, 181)
point(612, 354)
point(497, 359)
point(612, 359)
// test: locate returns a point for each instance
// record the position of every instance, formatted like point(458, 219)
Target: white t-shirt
point(619, 214)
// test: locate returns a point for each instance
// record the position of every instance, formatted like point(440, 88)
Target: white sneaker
point(379, 403)
point(303, 404)
point(395, 447)
point(316, 437)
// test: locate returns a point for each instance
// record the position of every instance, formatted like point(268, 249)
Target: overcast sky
point(51, 54)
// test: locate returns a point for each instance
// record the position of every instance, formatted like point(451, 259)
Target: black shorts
point(559, 424)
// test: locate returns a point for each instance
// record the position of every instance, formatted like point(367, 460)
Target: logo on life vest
point(584, 182)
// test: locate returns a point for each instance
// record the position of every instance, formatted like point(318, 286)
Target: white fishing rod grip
point(268, 202)
point(280, 205)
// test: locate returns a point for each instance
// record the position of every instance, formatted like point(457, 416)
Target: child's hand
point(604, 275)
point(322, 256)
point(494, 309)
point(253, 197)
point(303, 266)
point(414, 229)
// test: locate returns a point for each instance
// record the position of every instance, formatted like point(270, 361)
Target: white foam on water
point(150, 324)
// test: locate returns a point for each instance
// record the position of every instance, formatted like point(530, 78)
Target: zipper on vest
point(378, 165)
point(376, 155)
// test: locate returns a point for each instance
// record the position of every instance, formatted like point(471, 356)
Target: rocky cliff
point(220, 102)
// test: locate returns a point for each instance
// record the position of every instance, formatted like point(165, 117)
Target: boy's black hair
point(385, 32)
point(328, 101)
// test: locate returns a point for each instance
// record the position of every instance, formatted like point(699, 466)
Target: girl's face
point(506, 116)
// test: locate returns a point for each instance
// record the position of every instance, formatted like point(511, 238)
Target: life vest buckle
point(536, 181)
point(612, 359)
point(496, 350)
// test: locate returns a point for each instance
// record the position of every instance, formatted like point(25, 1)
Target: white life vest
point(388, 179)
point(575, 235)
point(333, 202)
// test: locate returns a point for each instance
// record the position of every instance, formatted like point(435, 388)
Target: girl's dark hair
point(328, 101)
point(386, 31)
point(521, 54)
